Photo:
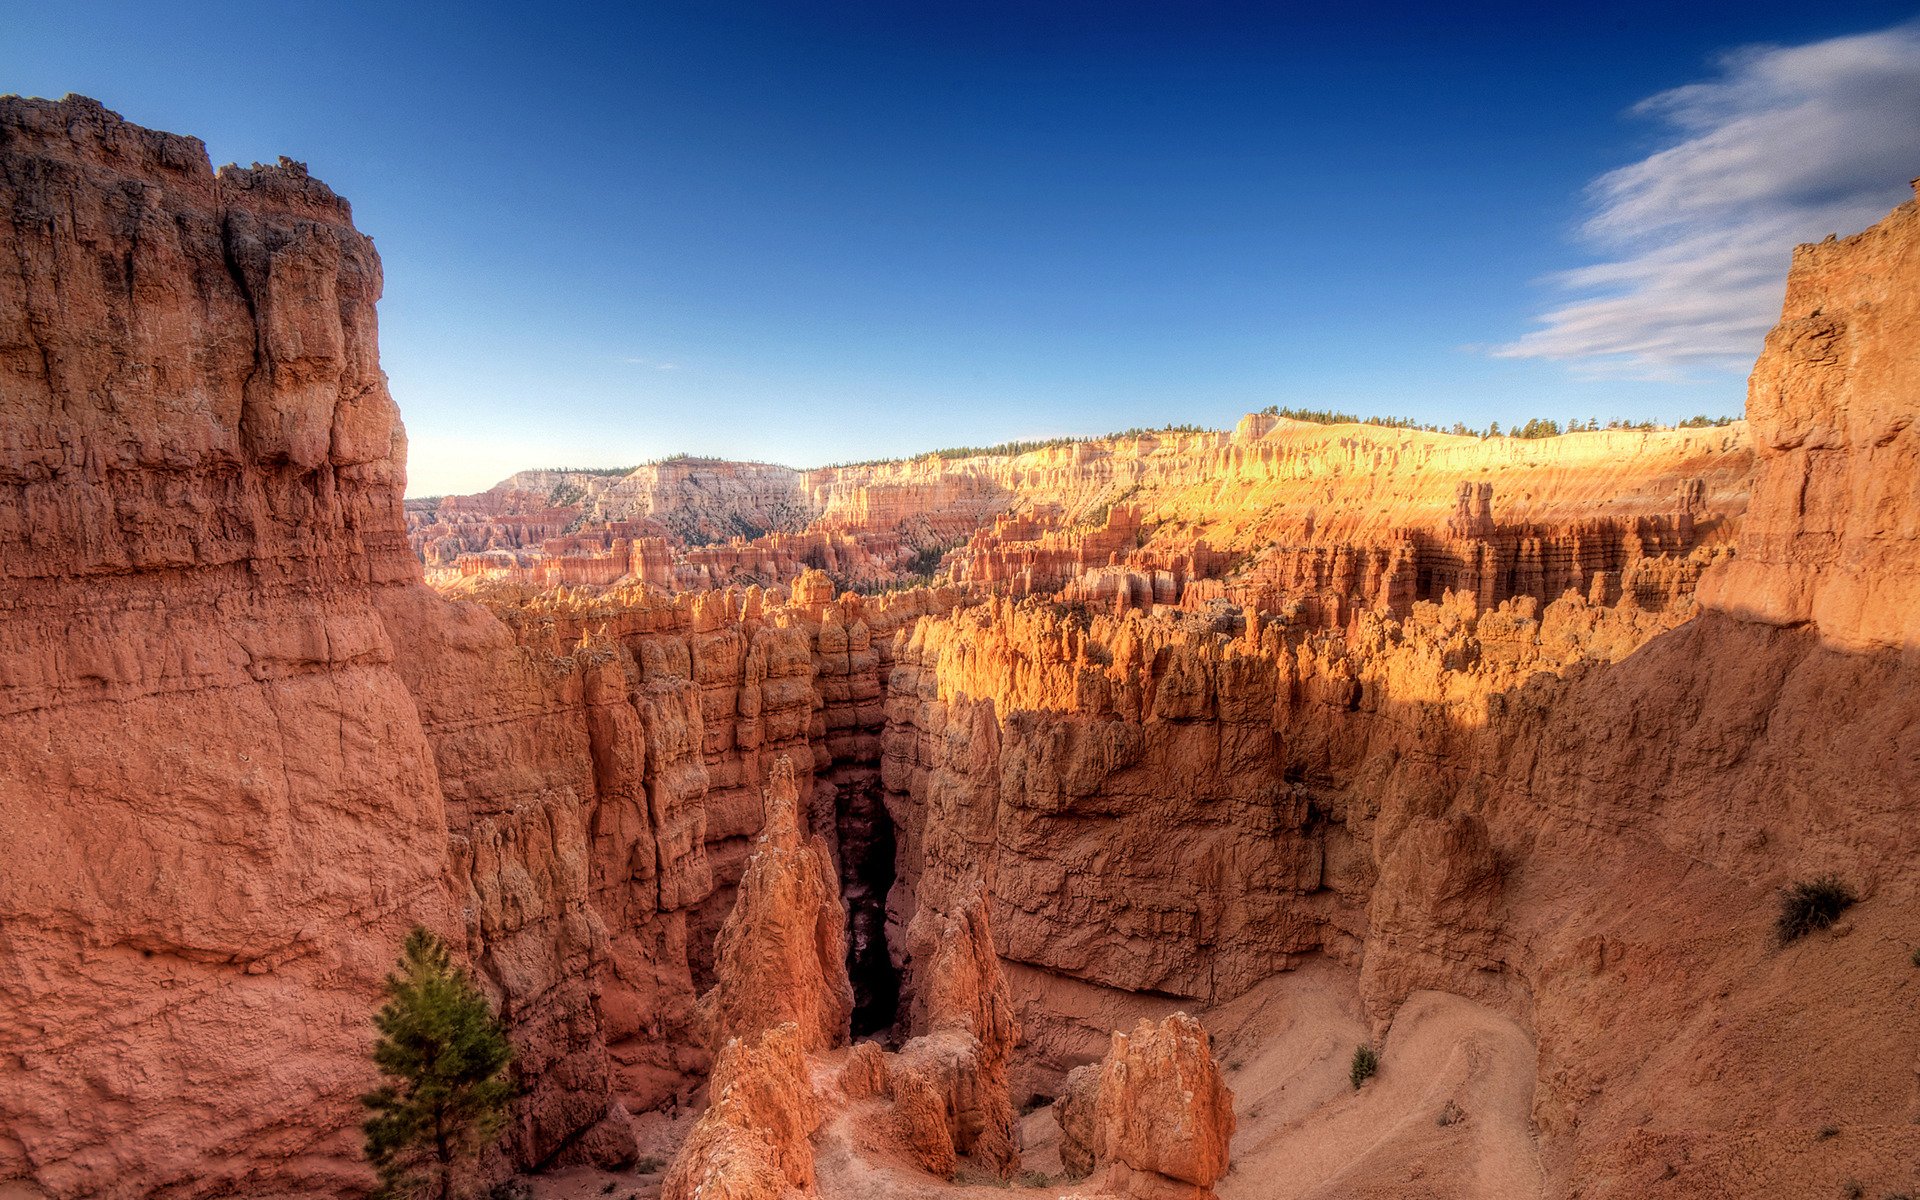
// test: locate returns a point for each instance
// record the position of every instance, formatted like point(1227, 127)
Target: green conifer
point(445, 1057)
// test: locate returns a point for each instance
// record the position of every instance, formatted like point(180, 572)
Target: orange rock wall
point(1578, 812)
point(1207, 704)
point(245, 785)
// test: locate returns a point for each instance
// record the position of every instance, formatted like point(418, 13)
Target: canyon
point(1061, 819)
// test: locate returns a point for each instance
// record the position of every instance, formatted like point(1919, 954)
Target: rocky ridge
point(1507, 742)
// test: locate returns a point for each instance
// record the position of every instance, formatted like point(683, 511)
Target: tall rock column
point(782, 954)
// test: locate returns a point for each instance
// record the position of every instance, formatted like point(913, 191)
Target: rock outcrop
point(246, 782)
point(782, 954)
point(1833, 526)
point(753, 1141)
point(943, 1099)
point(1529, 730)
point(1152, 1120)
point(962, 1014)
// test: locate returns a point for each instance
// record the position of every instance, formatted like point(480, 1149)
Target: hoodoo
point(1067, 816)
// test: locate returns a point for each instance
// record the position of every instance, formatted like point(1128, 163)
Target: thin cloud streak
point(1788, 145)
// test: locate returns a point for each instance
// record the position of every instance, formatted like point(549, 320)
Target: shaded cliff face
point(244, 784)
point(1498, 744)
point(1578, 815)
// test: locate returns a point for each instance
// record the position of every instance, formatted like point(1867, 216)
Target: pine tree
point(445, 1056)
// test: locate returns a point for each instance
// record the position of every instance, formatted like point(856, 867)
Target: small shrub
point(1452, 1114)
point(649, 1165)
point(1366, 1063)
point(1811, 905)
point(1035, 1179)
point(1916, 957)
point(1828, 1131)
point(1851, 1190)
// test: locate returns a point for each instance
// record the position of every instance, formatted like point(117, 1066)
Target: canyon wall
point(1541, 725)
point(262, 749)
point(224, 809)
point(1578, 813)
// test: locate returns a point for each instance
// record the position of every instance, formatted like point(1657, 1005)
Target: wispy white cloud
point(1786, 145)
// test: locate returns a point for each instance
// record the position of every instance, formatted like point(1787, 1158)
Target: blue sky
point(809, 232)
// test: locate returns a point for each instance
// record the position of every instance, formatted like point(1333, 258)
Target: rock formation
point(753, 1141)
point(1516, 741)
point(963, 1016)
point(782, 955)
point(214, 634)
point(1154, 1119)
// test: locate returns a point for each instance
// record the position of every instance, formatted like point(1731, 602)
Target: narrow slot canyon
point(1485, 761)
point(867, 867)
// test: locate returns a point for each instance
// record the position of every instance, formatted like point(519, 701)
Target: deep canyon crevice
point(1499, 750)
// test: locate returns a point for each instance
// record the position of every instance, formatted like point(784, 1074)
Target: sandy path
point(1306, 1134)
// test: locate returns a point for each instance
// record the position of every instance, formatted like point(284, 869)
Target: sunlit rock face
point(1153, 1119)
point(1490, 753)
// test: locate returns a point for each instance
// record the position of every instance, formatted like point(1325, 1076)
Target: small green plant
point(650, 1165)
point(1828, 1131)
point(1366, 1064)
point(1035, 1179)
point(1916, 956)
point(445, 1058)
point(1811, 905)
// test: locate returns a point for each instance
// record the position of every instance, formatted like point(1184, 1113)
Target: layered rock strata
point(1331, 518)
point(1505, 720)
point(247, 783)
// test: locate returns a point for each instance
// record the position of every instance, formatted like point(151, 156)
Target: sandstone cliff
point(1492, 754)
point(246, 782)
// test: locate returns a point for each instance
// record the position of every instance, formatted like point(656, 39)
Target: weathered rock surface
point(1154, 1118)
point(1832, 400)
point(753, 1141)
point(782, 954)
point(246, 783)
